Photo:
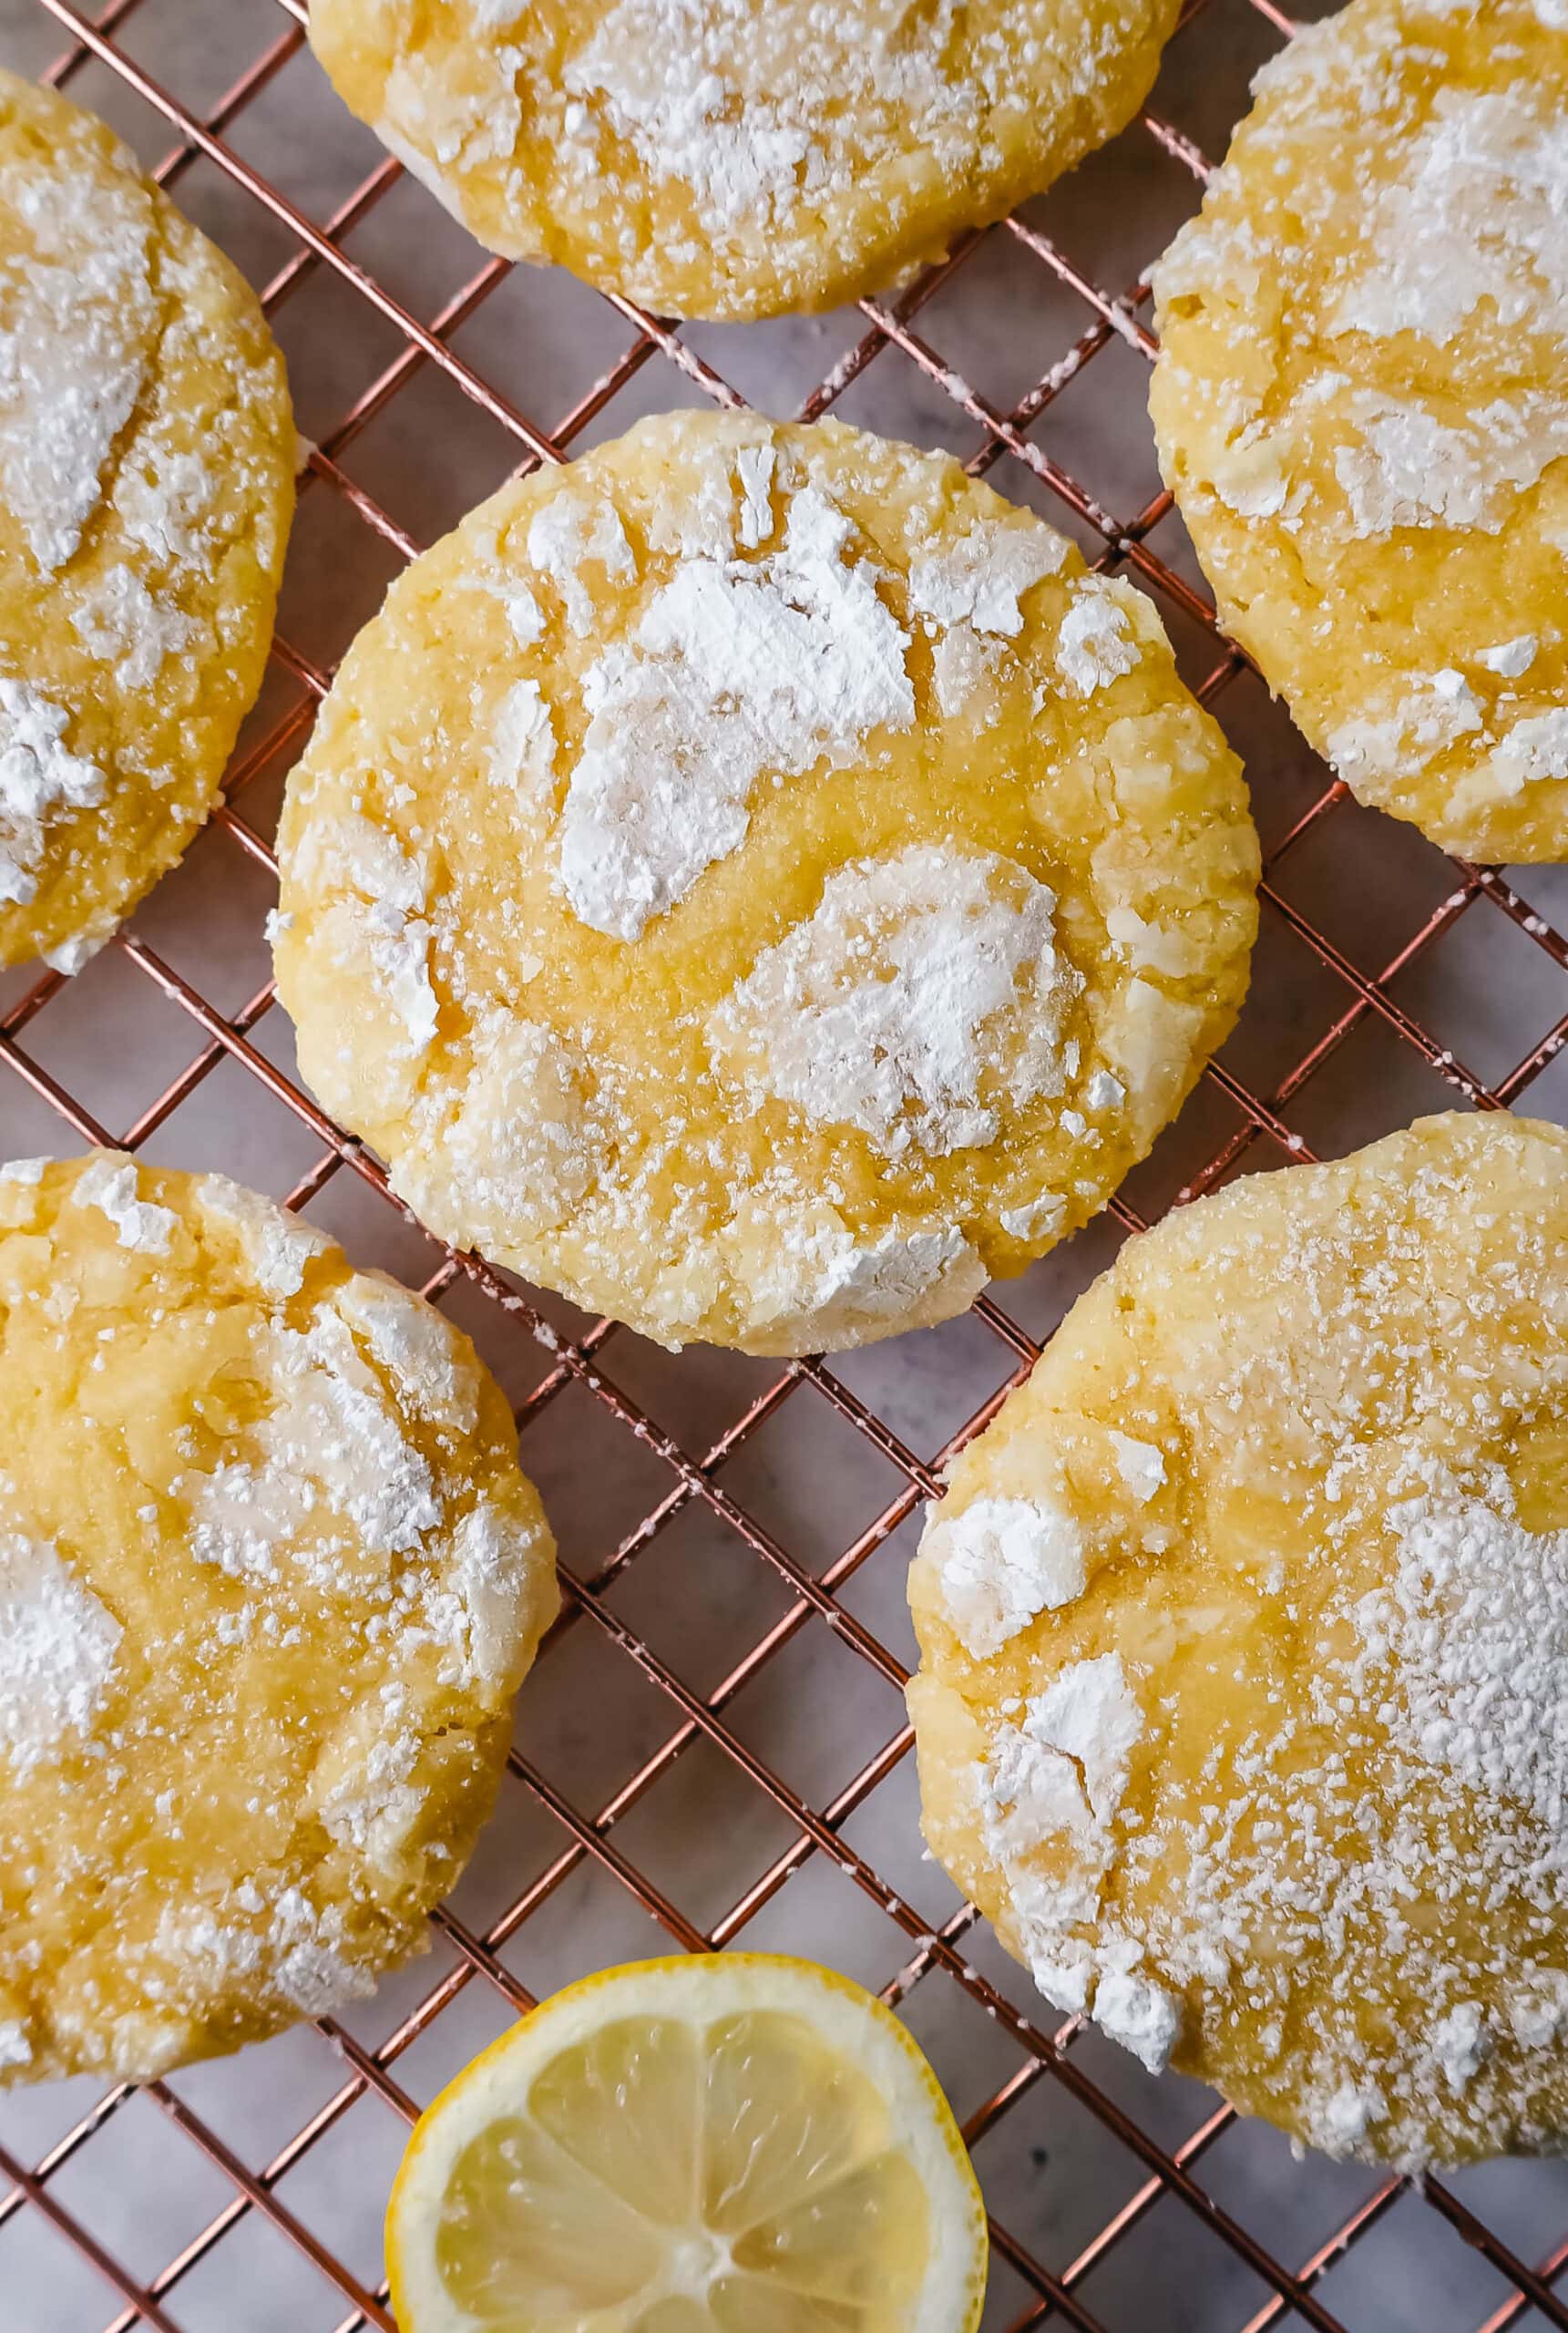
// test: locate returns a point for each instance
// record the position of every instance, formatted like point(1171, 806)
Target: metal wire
point(1300, 2288)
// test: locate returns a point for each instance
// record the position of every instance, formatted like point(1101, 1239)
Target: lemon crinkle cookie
point(146, 452)
point(1243, 1708)
point(1359, 407)
point(758, 883)
point(269, 1576)
point(738, 157)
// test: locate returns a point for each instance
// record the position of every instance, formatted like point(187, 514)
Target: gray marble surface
point(698, 1594)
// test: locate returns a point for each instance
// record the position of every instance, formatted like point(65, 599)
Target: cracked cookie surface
point(269, 1577)
point(1243, 1704)
point(1359, 405)
point(757, 882)
point(146, 460)
point(736, 159)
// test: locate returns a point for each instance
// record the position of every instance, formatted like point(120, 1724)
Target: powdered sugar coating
point(73, 347)
point(981, 579)
point(1474, 217)
point(773, 665)
point(722, 157)
point(523, 753)
point(279, 1247)
point(496, 1566)
point(711, 970)
point(1002, 1563)
point(1140, 1466)
point(267, 1578)
point(822, 1286)
point(1142, 2016)
point(57, 1648)
point(40, 780)
point(920, 988)
point(1534, 752)
point(1511, 658)
point(431, 1361)
point(1328, 1874)
point(1401, 467)
point(146, 482)
point(1098, 643)
point(1056, 1779)
point(110, 1186)
point(1358, 404)
point(1086, 1720)
point(566, 537)
point(1474, 1630)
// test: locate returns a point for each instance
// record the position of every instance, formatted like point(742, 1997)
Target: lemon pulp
point(737, 2176)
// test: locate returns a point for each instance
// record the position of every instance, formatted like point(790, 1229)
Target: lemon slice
point(723, 2144)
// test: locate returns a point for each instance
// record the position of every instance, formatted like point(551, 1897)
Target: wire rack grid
point(711, 1748)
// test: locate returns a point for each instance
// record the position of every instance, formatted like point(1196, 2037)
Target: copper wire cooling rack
point(712, 1751)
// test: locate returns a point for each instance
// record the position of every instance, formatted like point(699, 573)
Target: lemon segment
point(723, 2143)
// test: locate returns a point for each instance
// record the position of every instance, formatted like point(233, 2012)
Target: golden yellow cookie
point(147, 457)
point(1359, 407)
point(269, 1577)
point(737, 157)
point(755, 881)
point(1244, 1703)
